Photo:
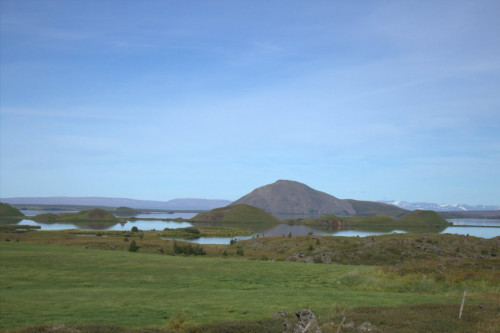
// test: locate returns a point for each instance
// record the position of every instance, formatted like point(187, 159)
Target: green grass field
point(45, 284)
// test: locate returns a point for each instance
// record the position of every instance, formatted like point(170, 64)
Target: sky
point(370, 100)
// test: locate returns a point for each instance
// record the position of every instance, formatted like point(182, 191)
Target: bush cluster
point(189, 249)
point(133, 247)
point(191, 230)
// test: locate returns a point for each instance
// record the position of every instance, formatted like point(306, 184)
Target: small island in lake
point(94, 215)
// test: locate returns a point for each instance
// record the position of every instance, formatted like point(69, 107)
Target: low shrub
point(179, 321)
point(133, 247)
point(189, 249)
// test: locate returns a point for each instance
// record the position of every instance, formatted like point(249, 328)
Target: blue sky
point(159, 100)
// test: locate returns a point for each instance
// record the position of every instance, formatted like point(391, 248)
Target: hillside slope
point(288, 199)
point(423, 218)
point(236, 213)
point(367, 208)
point(7, 210)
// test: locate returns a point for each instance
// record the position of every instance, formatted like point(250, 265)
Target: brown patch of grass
point(420, 318)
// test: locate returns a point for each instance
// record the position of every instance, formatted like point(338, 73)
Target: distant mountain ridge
point(181, 204)
point(440, 207)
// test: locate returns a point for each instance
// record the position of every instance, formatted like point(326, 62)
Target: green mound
point(94, 215)
point(367, 208)
point(125, 211)
point(7, 210)
point(236, 213)
point(423, 218)
point(416, 221)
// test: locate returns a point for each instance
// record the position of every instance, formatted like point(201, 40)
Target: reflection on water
point(299, 230)
point(51, 226)
point(163, 215)
point(293, 230)
point(145, 225)
point(216, 240)
point(472, 227)
point(149, 225)
point(227, 240)
point(476, 222)
point(360, 233)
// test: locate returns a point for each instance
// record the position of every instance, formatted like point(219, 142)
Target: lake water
point(163, 215)
point(145, 225)
point(476, 222)
point(153, 215)
point(473, 227)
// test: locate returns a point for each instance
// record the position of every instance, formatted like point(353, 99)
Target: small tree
point(133, 247)
point(134, 229)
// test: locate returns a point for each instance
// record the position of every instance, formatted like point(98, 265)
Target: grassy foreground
point(46, 284)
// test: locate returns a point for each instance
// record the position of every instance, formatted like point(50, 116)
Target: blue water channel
point(485, 228)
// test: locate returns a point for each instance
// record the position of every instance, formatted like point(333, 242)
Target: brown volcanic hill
point(289, 199)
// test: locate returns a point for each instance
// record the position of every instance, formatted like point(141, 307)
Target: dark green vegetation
point(236, 213)
point(14, 228)
point(7, 211)
point(94, 215)
point(125, 211)
point(189, 249)
point(47, 284)
point(204, 231)
point(423, 218)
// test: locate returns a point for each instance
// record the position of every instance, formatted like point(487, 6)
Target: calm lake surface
point(145, 225)
point(163, 215)
point(152, 215)
point(487, 228)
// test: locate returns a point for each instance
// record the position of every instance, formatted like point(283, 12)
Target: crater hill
point(424, 218)
point(291, 199)
point(236, 213)
point(7, 210)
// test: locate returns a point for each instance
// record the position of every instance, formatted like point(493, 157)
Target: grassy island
point(236, 213)
point(94, 215)
point(415, 221)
